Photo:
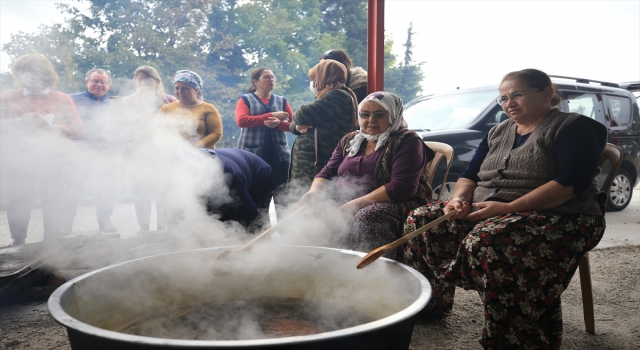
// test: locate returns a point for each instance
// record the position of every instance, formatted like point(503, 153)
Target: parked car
point(462, 117)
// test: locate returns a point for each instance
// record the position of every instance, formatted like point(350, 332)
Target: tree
point(347, 18)
point(405, 79)
point(222, 40)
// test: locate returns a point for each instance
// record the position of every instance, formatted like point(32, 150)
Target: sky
point(470, 43)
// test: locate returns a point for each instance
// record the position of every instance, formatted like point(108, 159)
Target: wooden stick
point(271, 229)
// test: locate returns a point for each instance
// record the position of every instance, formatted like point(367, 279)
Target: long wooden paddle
point(378, 252)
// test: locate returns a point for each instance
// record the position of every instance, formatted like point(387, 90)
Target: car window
point(620, 108)
point(585, 104)
point(449, 111)
point(497, 116)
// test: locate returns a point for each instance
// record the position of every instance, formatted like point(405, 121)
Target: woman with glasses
point(528, 209)
point(137, 114)
point(356, 76)
point(379, 173)
point(37, 125)
point(263, 118)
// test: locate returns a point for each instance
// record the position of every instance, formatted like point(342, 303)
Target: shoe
point(18, 242)
point(107, 227)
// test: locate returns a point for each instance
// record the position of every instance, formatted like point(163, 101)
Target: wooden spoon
point(273, 228)
point(378, 252)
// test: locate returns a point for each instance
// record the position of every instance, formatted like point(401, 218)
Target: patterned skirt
point(519, 263)
point(375, 225)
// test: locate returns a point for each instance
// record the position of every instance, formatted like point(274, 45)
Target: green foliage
point(405, 79)
point(222, 40)
point(347, 18)
point(6, 81)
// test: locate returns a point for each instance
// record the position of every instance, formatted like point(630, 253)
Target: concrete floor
point(623, 227)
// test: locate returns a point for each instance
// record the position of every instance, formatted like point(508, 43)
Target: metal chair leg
point(587, 294)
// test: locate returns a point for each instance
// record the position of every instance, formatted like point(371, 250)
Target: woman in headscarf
point(198, 122)
point(356, 76)
point(322, 123)
point(383, 165)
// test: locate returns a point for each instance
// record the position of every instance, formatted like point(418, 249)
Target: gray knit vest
point(509, 173)
point(252, 139)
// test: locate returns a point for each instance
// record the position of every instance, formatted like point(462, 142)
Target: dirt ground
point(26, 324)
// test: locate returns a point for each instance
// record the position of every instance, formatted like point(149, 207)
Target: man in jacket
point(97, 152)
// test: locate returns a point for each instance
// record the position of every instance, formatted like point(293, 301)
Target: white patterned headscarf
point(392, 104)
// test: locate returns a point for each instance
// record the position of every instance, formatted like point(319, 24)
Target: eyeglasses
point(377, 115)
point(96, 81)
point(516, 96)
point(269, 77)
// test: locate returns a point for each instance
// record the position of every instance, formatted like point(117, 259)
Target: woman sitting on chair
point(527, 212)
point(386, 161)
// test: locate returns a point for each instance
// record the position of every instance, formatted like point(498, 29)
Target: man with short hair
point(98, 150)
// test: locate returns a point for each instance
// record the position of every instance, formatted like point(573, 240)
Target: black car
point(462, 117)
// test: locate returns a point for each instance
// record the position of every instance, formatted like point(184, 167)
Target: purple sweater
point(405, 170)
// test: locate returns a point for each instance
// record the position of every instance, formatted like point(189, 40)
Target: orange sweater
point(207, 129)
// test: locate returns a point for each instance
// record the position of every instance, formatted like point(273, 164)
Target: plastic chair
point(442, 151)
point(613, 154)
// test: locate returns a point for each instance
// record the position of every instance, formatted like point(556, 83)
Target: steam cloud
point(179, 174)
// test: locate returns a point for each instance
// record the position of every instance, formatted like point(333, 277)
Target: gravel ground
point(26, 324)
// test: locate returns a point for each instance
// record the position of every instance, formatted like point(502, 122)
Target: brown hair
point(26, 63)
point(342, 57)
point(153, 73)
point(536, 79)
point(255, 75)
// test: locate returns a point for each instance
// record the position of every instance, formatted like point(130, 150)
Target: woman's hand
point(351, 207)
point(303, 128)
point(33, 120)
point(316, 187)
point(462, 195)
point(281, 115)
point(307, 197)
point(488, 209)
point(462, 207)
point(272, 122)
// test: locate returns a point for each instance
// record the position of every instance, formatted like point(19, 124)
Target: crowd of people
point(55, 142)
point(527, 206)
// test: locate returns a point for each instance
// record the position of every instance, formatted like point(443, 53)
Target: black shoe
point(107, 227)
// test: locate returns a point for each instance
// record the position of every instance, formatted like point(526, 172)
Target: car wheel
point(619, 195)
point(447, 191)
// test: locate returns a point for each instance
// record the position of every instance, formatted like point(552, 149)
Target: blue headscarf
point(190, 77)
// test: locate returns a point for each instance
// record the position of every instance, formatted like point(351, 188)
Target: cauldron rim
point(61, 316)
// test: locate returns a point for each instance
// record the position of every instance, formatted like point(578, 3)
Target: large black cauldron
point(93, 305)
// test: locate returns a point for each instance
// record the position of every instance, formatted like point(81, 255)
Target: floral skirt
point(519, 263)
point(374, 225)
